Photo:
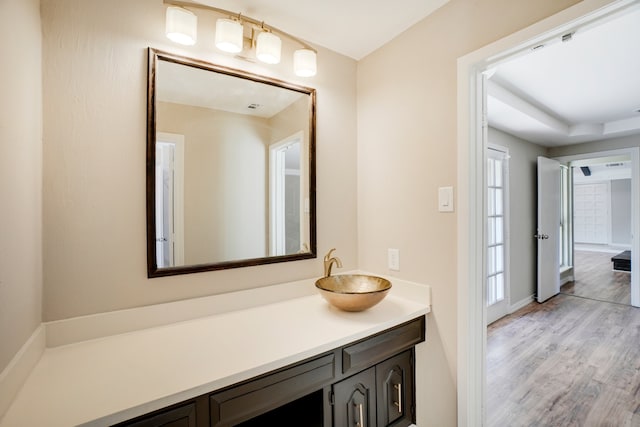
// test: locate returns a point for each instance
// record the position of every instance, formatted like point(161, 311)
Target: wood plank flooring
point(594, 278)
point(571, 361)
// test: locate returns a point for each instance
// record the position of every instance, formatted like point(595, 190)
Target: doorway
point(286, 196)
point(169, 191)
point(471, 310)
point(605, 212)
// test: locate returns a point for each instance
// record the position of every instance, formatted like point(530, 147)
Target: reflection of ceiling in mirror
point(182, 84)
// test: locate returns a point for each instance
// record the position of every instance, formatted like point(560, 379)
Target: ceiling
point(566, 92)
point(183, 84)
point(353, 28)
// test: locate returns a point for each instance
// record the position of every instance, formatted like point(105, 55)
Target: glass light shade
point(304, 63)
point(268, 48)
point(181, 26)
point(229, 35)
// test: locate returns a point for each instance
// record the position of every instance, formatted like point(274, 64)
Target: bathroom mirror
point(230, 168)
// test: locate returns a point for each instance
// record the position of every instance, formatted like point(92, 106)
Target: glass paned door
point(496, 233)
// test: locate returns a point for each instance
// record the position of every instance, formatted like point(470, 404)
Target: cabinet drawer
point(180, 416)
point(260, 395)
point(382, 346)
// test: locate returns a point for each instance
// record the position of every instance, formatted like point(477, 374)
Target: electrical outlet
point(393, 259)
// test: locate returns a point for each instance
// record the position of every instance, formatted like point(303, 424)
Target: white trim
point(566, 279)
point(15, 374)
point(471, 333)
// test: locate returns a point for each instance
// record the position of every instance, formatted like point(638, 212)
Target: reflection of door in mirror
point(285, 196)
point(169, 200)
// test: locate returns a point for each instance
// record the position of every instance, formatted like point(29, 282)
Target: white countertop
point(106, 380)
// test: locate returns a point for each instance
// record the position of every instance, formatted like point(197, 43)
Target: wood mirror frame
point(308, 211)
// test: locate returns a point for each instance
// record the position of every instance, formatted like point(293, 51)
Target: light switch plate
point(393, 260)
point(445, 199)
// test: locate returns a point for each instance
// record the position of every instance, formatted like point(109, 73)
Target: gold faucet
point(328, 263)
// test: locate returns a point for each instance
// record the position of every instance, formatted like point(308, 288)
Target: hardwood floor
point(595, 279)
point(568, 362)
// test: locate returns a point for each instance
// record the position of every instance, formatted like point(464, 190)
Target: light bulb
point(268, 48)
point(229, 35)
point(181, 25)
point(304, 63)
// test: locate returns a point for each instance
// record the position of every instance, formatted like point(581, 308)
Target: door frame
point(471, 313)
point(634, 154)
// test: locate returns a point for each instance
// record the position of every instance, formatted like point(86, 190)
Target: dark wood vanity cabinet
point(368, 383)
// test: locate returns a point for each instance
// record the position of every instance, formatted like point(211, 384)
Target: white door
point(165, 154)
point(497, 295)
point(169, 191)
point(548, 233)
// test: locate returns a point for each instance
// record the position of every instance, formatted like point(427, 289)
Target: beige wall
point(20, 175)
point(94, 177)
point(523, 207)
point(407, 149)
point(225, 181)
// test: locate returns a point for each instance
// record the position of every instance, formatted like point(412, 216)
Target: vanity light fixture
point(265, 40)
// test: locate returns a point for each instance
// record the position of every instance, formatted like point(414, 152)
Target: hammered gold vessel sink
point(353, 292)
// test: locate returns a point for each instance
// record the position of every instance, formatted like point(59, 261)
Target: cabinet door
point(394, 385)
point(355, 400)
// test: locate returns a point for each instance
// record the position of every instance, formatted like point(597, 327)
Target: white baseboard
point(519, 304)
point(15, 374)
point(567, 279)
